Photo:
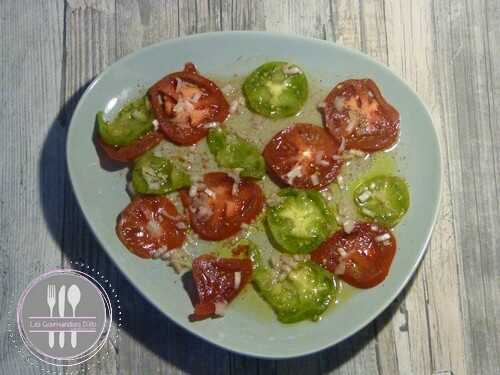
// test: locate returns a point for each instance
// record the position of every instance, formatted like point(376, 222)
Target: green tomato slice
point(133, 121)
point(276, 90)
point(153, 174)
point(304, 294)
point(232, 151)
point(301, 222)
point(384, 199)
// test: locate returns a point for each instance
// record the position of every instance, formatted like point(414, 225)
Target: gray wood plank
point(31, 152)
point(434, 338)
point(464, 36)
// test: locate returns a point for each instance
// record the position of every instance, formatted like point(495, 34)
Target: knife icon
point(61, 299)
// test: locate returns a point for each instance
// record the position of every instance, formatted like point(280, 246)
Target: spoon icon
point(74, 296)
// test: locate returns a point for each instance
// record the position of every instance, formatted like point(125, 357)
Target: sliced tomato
point(184, 102)
point(149, 224)
point(218, 206)
point(356, 111)
point(361, 258)
point(132, 151)
point(218, 280)
point(303, 156)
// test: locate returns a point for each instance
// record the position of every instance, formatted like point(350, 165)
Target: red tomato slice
point(303, 156)
point(184, 102)
point(356, 110)
point(132, 151)
point(218, 280)
point(150, 223)
point(218, 206)
point(361, 258)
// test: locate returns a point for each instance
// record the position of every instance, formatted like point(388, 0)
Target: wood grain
point(446, 320)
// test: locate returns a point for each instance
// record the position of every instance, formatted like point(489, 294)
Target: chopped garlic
point(295, 172)
point(183, 105)
point(342, 252)
point(342, 145)
point(159, 252)
point(353, 121)
point(151, 178)
point(339, 103)
point(179, 84)
point(315, 179)
point(235, 189)
point(196, 97)
point(156, 124)
point(237, 180)
point(237, 279)
point(275, 261)
point(348, 226)
point(193, 190)
point(166, 255)
point(154, 228)
point(228, 89)
point(287, 261)
point(363, 197)
point(383, 237)
point(357, 153)
point(209, 192)
point(210, 125)
point(340, 269)
point(286, 268)
point(234, 106)
point(204, 212)
point(291, 69)
point(220, 308)
point(180, 225)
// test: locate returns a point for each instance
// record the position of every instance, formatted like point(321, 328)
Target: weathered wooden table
point(448, 318)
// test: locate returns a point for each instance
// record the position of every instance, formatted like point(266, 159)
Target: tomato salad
point(265, 159)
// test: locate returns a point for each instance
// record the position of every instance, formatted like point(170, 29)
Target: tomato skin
point(227, 211)
point(367, 262)
point(304, 294)
point(377, 121)
point(215, 281)
point(307, 146)
point(272, 93)
point(212, 106)
point(388, 202)
point(132, 121)
point(125, 154)
point(164, 175)
point(301, 222)
point(232, 151)
point(132, 227)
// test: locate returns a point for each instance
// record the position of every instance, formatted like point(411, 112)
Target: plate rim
point(320, 42)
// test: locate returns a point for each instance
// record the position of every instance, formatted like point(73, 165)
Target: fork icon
point(51, 301)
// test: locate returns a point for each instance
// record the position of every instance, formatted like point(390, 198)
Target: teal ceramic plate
point(101, 194)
